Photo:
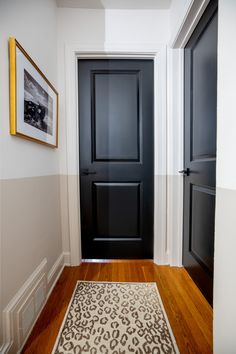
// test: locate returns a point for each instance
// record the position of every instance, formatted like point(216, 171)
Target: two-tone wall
point(225, 227)
point(34, 214)
point(29, 175)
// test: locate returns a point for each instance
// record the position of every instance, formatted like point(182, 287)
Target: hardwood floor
point(189, 313)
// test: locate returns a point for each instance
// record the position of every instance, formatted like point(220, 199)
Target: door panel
point(203, 64)
point(114, 218)
point(202, 231)
point(116, 158)
point(111, 90)
point(200, 150)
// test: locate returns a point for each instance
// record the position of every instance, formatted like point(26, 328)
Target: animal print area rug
point(115, 318)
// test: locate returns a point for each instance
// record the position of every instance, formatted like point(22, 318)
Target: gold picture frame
point(33, 99)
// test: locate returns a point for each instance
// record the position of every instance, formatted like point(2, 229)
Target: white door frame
point(175, 129)
point(142, 51)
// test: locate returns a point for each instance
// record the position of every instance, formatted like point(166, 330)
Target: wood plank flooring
point(189, 313)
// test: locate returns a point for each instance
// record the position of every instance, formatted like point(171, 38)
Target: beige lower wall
point(31, 229)
point(174, 219)
point(1, 331)
point(65, 212)
point(225, 272)
point(70, 217)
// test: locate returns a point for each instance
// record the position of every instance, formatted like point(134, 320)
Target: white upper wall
point(92, 26)
point(137, 26)
point(74, 26)
point(80, 25)
point(225, 234)
point(226, 120)
point(33, 23)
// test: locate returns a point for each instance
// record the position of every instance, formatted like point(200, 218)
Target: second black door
point(116, 158)
point(200, 150)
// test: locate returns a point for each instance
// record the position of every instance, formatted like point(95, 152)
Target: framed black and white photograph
point(33, 99)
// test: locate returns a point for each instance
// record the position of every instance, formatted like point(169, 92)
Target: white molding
point(10, 334)
point(72, 149)
point(185, 28)
point(32, 326)
point(11, 320)
point(67, 259)
point(56, 270)
point(160, 221)
point(119, 50)
point(175, 158)
point(177, 235)
point(35, 319)
point(5, 347)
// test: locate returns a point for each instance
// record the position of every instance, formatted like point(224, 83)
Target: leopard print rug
point(115, 318)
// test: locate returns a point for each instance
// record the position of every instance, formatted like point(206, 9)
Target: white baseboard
point(5, 347)
point(11, 330)
point(67, 260)
point(20, 315)
point(56, 270)
point(53, 273)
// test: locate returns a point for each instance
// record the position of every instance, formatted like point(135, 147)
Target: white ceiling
point(115, 4)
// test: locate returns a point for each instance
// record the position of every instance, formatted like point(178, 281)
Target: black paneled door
point(116, 158)
point(200, 151)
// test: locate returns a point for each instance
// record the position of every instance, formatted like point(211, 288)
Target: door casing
point(137, 51)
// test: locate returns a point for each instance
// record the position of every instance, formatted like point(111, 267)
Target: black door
point(116, 158)
point(200, 151)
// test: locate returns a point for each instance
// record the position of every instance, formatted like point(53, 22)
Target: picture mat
point(22, 63)
point(38, 105)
